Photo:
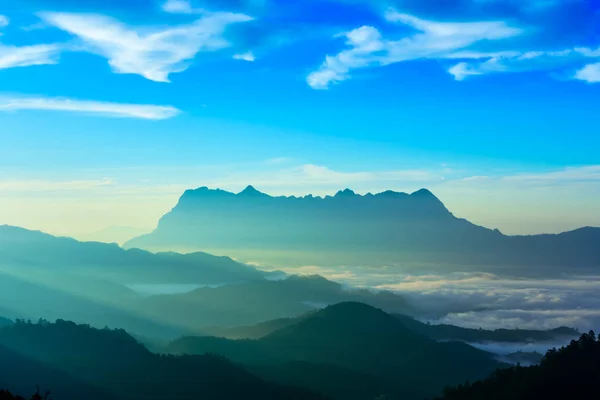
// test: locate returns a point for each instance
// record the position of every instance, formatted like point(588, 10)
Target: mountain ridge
point(383, 228)
point(22, 247)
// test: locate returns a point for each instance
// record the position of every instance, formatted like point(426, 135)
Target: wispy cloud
point(434, 40)
point(321, 180)
point(24, 56)
point(152, 52)
point(141, 111)
point(178, 7)
point(248, 56)
point(589, 173)
point(528, 61)
point(278, 160)
point(44, 186)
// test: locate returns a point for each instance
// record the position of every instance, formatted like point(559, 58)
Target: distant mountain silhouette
point(440, 332)
point(388, 226)
point(259, 301)
point(22, 248)
point(103, 306)
point(359, 338)
point(451, 332)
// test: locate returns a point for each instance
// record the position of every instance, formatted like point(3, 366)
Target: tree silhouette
point(571, 372)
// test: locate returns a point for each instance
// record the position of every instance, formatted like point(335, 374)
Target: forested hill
point(572, 372)
point(114, 362)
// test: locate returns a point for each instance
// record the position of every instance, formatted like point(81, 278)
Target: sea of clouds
point(482, 299)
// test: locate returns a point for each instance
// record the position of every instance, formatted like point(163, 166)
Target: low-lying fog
point(486, 300)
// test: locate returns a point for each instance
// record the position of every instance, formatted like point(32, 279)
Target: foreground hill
point(348, 340)
point(22, 249)
point(116, 363)
point(572, 372)
point(385, 227)
point(20, 373)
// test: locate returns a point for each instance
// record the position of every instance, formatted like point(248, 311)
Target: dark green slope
point(21, 374)
point(359, 338)
point(572, 372)
point(116, 362)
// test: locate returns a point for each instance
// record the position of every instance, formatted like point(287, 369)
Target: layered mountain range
point(387, 227)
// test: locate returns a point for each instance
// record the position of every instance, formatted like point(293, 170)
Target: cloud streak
point(152, 52)
point(248, 56)
point(459, 43)
point(434, 40)
point(106, 109)
point(25, 56)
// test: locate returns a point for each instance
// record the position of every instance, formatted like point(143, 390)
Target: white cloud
point(434, 40)
point(152, 52)
point(590, 73)
point(25, 56)
point(518, 62)
point(121, 110)
point(248, 56)
point(178, 7)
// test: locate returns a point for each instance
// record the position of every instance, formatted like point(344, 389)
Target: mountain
point(22, 249)
point(112, 234)
point(441, 332)
point(571, 372)
point(256, 331)
point(259, 301)
point(358, 339)
point(348, 227)
point(451, 332)
point(21, 297)
point(116, 363)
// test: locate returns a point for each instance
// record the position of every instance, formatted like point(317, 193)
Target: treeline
point(6, 395)
point(572, 372)
point(81, 362)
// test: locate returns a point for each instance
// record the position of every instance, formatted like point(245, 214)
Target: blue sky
point(110, 109)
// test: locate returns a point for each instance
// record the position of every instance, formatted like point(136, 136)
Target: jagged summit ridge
point(251, 191)
point(390, 226)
